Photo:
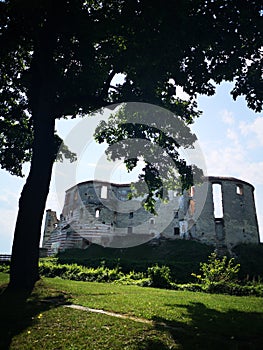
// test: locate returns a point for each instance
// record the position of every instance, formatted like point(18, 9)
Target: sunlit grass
point(180, 319)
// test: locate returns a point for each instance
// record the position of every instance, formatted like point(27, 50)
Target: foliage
point(160, 276)
point(220, 275)
point(151, 134)
point(217, 269)
point(134, 278)
point(156, 276)
point(79, 273)
point(5, 267)
point(250, 258)
point(181, 256)
point(232, 288)
point(229, 288)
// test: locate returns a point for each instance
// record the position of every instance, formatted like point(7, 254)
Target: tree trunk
point(25, 251)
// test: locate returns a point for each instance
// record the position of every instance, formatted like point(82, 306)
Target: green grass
point(181, 320)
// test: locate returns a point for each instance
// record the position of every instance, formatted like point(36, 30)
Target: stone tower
point(228, 217)
point(50, 224)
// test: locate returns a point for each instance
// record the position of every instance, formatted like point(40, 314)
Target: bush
point(219, 275)
point(79, 273)
point(234, 289)
point(5, 267)
point(217, 269)
point(160, 276)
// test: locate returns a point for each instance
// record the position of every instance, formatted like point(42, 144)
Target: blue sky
point(230, 136)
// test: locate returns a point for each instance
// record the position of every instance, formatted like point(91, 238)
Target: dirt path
point(129, 317)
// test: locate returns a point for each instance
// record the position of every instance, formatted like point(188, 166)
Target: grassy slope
point(196, 320)
point(183, 257)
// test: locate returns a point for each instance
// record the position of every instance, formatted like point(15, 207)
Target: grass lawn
point(180, 320)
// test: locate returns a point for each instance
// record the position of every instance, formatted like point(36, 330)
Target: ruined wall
point(99, 212)
point(239, 219)
point(50, 224)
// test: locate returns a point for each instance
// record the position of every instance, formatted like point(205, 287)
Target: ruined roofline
point(226, 178)
point(101, 182)
point(209, 178)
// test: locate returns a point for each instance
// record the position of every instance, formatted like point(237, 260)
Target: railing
point(5, 257)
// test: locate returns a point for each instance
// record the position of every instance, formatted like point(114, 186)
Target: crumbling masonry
point(100, 212)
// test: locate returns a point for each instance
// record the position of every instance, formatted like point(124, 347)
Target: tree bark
point(25, 250)
point(41, 95)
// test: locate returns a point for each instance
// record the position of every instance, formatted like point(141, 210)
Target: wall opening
point(152, 221)
point(239, 190)
point(76, 195)
point(176, 231)
point(217, 200)
point(104, 192)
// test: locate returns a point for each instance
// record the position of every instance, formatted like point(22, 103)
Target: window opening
point(131, 215)
point(176, 231)
point(152, 221)
point(217, 200)
point(97, 213)
point(75, 195)
point(104, 192)
point(239, 190)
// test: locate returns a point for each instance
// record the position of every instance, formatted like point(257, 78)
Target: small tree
point(222, 270)
point(160, 276)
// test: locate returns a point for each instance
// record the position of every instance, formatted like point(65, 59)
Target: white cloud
point(253, 130)
point(7, 224)
point(233, 136)
point(8, 198)
point(233, 161)
point(227, 117)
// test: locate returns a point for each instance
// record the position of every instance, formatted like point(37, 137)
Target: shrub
point(217, 269)
point(79, 273)
point(160, 276)
point(234, 289)
point(5, 267)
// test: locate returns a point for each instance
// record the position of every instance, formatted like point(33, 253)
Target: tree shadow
point(20, 309)
point(211, 329)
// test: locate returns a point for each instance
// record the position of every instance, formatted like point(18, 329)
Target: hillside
point(183, 257)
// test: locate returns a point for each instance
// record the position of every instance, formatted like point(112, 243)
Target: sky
point(229, 134)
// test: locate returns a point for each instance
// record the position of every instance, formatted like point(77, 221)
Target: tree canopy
point(75, 48)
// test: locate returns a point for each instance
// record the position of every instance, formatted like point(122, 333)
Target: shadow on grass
point(21, 309)
point(211, 329)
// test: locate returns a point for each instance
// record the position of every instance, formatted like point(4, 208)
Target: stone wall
point(100, 212)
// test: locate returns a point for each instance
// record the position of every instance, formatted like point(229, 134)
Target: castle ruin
point(100, 212)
